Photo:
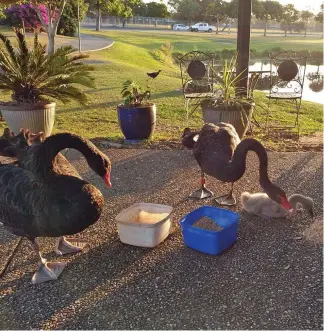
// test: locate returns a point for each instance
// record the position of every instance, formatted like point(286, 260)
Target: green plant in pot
point(137, 115)
point(36, 79)
point(225, 106)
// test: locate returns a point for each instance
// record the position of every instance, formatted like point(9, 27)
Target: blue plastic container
point(207, 241)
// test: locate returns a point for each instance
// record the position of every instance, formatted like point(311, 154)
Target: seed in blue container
point(207, 223)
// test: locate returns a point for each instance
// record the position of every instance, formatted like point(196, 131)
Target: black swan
point(45, 197)
point(220, 154)
point(24, 147)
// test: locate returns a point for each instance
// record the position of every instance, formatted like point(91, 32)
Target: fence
point(167, 23)
point(135, 22)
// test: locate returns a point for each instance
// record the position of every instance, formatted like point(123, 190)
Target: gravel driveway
point(270, 279)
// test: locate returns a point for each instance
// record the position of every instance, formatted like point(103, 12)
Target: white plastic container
point(144, 224)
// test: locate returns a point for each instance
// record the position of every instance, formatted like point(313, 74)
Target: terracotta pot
point(35, 117)
point(234, 116)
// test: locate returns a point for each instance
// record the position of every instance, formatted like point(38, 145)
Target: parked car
point(202, 27)
point(180, 27)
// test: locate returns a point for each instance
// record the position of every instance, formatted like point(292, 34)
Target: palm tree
point(33, 76)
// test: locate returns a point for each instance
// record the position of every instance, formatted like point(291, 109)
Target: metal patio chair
point(198, 78)
point(287, 82)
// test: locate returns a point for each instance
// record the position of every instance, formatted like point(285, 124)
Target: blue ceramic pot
point(137, 123)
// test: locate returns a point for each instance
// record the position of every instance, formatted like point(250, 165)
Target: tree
point(187, 10)
point(231, 10)
point(289, 16)
point(174, 5)
point(319, 16)
point(305, 16)
point(155, 9)
point(217, 10)
point(140, 9)
point(25, 16)
point(69, 21)
point(96, 5)
point(268, 10)
point(2, 11)
point(121, 8)
point(54, 12)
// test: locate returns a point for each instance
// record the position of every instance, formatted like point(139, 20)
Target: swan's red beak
point(107, 179)
point(285, 203)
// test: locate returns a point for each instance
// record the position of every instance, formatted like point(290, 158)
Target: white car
point(202, 27)
point(180, 27)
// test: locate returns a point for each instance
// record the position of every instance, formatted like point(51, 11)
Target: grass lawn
point(188, 41)
point(134, 54)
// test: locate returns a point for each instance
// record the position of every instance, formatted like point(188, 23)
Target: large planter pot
point(35, 117)
point(137, 123)
point(234, 116)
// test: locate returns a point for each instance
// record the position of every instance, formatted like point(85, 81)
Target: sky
point(312, 5)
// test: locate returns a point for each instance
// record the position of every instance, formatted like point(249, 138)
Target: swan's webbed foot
point(202, 193)
point(69, 245)
point(48, 271)
point(226, 200)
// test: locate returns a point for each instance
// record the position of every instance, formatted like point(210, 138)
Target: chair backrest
point(252, 81)
point(196, 72)
point(287, 72)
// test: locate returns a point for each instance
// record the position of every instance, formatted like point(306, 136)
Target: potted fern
point(36, 79)
point(136, 116)
point(225, 106)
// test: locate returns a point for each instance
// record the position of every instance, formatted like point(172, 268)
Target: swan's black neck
point(239, 160)
point(56, 143)
point(188, 139)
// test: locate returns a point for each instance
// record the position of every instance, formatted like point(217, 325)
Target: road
point(91, 26)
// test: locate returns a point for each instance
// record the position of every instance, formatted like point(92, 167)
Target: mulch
point(279, 141)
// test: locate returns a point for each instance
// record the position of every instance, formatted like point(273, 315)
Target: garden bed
point(274, 141)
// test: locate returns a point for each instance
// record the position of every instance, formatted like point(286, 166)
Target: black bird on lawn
point(153, 74)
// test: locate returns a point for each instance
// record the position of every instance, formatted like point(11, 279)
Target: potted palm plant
point(36, 79)
point(225, 106)
point(136, 116)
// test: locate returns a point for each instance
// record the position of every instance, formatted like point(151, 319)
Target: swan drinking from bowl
point(220, 154)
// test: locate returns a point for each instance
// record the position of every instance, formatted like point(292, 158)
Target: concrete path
point(270, 279)
point(88, 42)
